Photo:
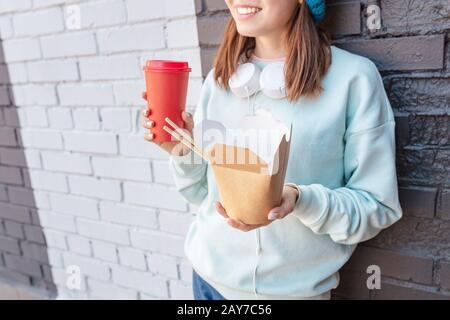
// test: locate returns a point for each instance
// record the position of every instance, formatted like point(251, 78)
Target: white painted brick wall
point(86, 119)
point(78, 183)
point(163, 265)
point(106, 290)
point(114, 119)
point(12, 6)
point(132, 39)
point(21, 50)
point(130, 169)
point(103, 231)
point(90, 142)
point(66, 162)
point(128, 215)
point(17, 72)
point(57, 221)
point(104, 250)
point(34, 95)
point(52, 71)
point(110, 68)
point(38, 22)
point(68, 45)
point(143, 281)
point(179, 33)
point(95, 188)
point(96, 14)
point(36, 117)
point(60, 118)
point(134, 258)
point(41, 139)
point(74, 206)
point(79, 244)
point(85, 94)
point(55, 239)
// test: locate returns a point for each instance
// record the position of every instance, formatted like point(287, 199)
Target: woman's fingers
point(277, 213)
point(221, 210)
point(146, 112)
point(242, 226)
point(237, 224)
point(148, 124)
point(188, 120)
point(287, 205)
point(148, 136)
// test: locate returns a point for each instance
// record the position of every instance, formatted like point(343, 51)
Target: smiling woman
point(341, 186)
point(275, 29)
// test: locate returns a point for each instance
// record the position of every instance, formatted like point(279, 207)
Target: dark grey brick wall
point(413, 55)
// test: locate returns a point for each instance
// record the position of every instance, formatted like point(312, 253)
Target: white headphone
point(249, 79)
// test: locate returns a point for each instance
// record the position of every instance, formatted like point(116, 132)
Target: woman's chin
point(248, 32)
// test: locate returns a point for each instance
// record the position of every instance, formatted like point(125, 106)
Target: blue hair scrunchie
point(317, 8)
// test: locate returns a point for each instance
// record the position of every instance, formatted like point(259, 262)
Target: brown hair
point(308, 55)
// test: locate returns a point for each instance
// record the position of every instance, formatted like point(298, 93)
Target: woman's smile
point(245, 12)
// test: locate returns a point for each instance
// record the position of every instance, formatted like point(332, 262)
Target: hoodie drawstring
point(258, 254)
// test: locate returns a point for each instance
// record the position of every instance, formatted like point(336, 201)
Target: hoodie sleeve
point(189, 171)
point(369, 201)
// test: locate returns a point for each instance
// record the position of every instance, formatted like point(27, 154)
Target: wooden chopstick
point(184, 142)
point(187, 144)
point(180, 131)
point(183, 133)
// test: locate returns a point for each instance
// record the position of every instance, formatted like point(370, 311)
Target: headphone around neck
point(250, 79)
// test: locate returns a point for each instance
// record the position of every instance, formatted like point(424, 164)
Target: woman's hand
point(288, 201)
point(172, 147)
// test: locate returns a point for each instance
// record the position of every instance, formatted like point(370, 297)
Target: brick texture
point(77, 180)
point(79, 185)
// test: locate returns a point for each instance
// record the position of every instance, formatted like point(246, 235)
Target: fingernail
point(150, 136)
point(273, 215)
point(149, 124)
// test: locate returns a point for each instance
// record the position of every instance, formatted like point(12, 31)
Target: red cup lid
point(167, 65)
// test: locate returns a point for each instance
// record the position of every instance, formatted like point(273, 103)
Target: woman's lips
point(247, 12)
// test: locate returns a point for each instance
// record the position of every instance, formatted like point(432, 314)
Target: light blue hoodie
point(343, 159)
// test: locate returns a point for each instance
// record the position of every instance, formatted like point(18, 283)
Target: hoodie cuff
point(311, 205)
point(187, 163)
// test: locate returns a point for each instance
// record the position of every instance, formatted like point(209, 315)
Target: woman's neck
point(270, 46)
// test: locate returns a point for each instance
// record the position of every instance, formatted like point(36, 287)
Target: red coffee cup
point(167, 84)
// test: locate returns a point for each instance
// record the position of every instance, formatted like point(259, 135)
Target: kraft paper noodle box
point(249, 163)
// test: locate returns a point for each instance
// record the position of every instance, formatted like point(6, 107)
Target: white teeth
point(247, 10)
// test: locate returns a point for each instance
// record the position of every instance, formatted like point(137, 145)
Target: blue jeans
point(203, 290)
